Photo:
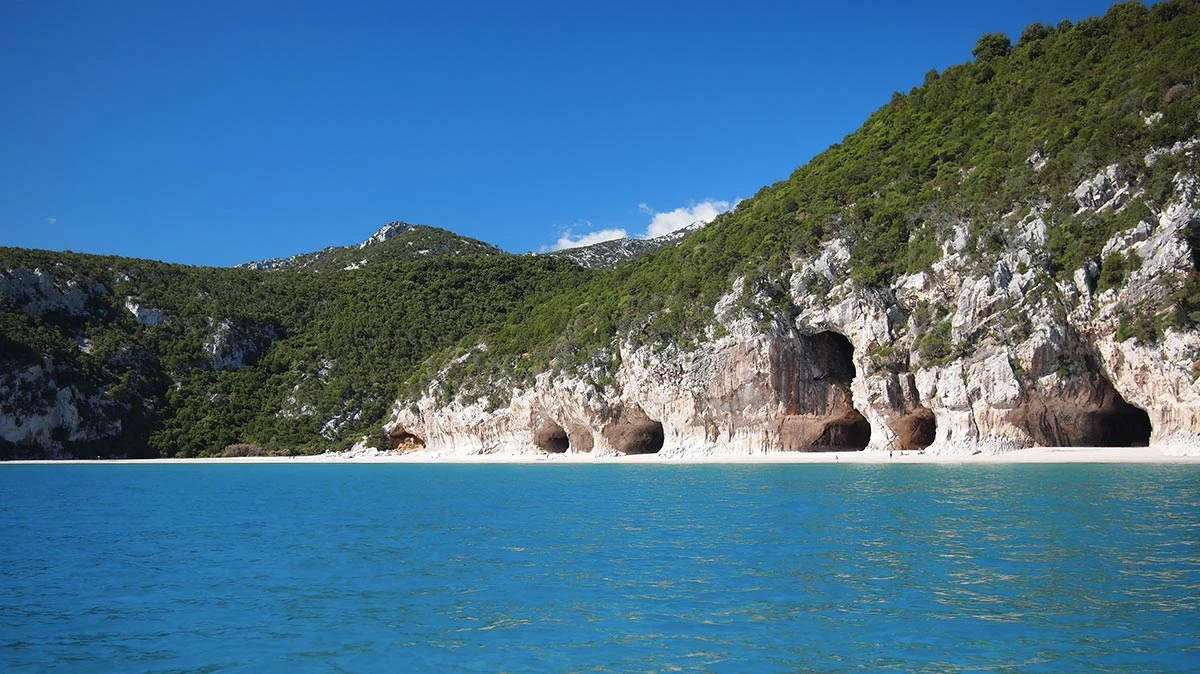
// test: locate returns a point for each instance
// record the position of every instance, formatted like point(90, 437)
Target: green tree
point(991, 46)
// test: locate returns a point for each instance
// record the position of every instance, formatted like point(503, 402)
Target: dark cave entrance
point(851, 431)
point(1113, 422)
point(916, 430)
point(1122, 425)
point(639, 437)
point(835, 353)
point(552, 438)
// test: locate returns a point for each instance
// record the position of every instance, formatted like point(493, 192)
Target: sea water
point(603, 568)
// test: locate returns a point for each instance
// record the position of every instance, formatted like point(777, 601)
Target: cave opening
point(850, 431)
point(1063, 422)
point(639, 437)
point(916, 430)
point(1122, 425)
point(400, 438)
point(835, 353)
point(552, 438)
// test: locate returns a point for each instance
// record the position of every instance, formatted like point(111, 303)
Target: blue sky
point(218, 132)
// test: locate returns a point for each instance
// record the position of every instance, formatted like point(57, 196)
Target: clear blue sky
point(214, 132)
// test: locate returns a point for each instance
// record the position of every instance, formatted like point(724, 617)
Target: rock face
point(57, 415)
point(235, 344)
point(89, 382)
point(37, 291)
point(1015, 359)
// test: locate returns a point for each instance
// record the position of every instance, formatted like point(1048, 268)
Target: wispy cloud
point(661, 223)
point(51, 221)
point(569, 239)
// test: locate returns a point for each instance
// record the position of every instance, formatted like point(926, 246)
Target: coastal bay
point(639, 567)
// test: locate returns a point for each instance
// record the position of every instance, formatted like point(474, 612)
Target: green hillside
point(968, 145)
point(281, 359)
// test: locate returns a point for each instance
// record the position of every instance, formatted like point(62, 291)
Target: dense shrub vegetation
point(322, 355)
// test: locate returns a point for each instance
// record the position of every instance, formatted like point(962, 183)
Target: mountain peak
point(404, 242)
point(386, 232)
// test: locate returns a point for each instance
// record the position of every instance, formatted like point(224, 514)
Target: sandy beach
point(1156, 454)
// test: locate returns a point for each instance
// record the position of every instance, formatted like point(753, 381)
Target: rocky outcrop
point(147, 316)
point(235, 344)
point(965, 357)
point(394, 241)
point(51, 415)
point(39, 291)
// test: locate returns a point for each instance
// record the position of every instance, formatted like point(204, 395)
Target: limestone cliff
point(965, 357)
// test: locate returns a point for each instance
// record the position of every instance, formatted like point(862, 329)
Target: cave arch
point(852, 433)
point(643, 438)
point(1108, 421)
point(552, 438)
point(915, 430)
point(636, 433)
point(833, 368)
point(1121, 424)
point(400, 438)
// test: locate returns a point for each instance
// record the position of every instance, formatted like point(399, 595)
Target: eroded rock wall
point(749, 390)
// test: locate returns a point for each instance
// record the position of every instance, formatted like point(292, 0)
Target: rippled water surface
point(380, 568)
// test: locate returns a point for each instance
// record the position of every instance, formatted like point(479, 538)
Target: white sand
point(1156, 454)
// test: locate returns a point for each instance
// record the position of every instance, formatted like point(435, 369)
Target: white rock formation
point(37, 291)
point(145, 315)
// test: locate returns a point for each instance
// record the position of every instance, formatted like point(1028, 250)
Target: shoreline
point(1157, 454)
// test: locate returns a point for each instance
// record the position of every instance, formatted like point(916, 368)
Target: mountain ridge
point(395, 241)
point(608, 254)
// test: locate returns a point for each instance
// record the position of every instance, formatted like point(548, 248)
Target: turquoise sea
point(604, 568)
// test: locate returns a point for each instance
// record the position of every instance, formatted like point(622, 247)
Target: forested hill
point(108, 356)
point(121, 357)
point(974, 149)
point(394, 242)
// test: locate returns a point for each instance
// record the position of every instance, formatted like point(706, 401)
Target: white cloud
point(51, 221)
point(665, 223)
point(660, 224)
point(570, 240)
